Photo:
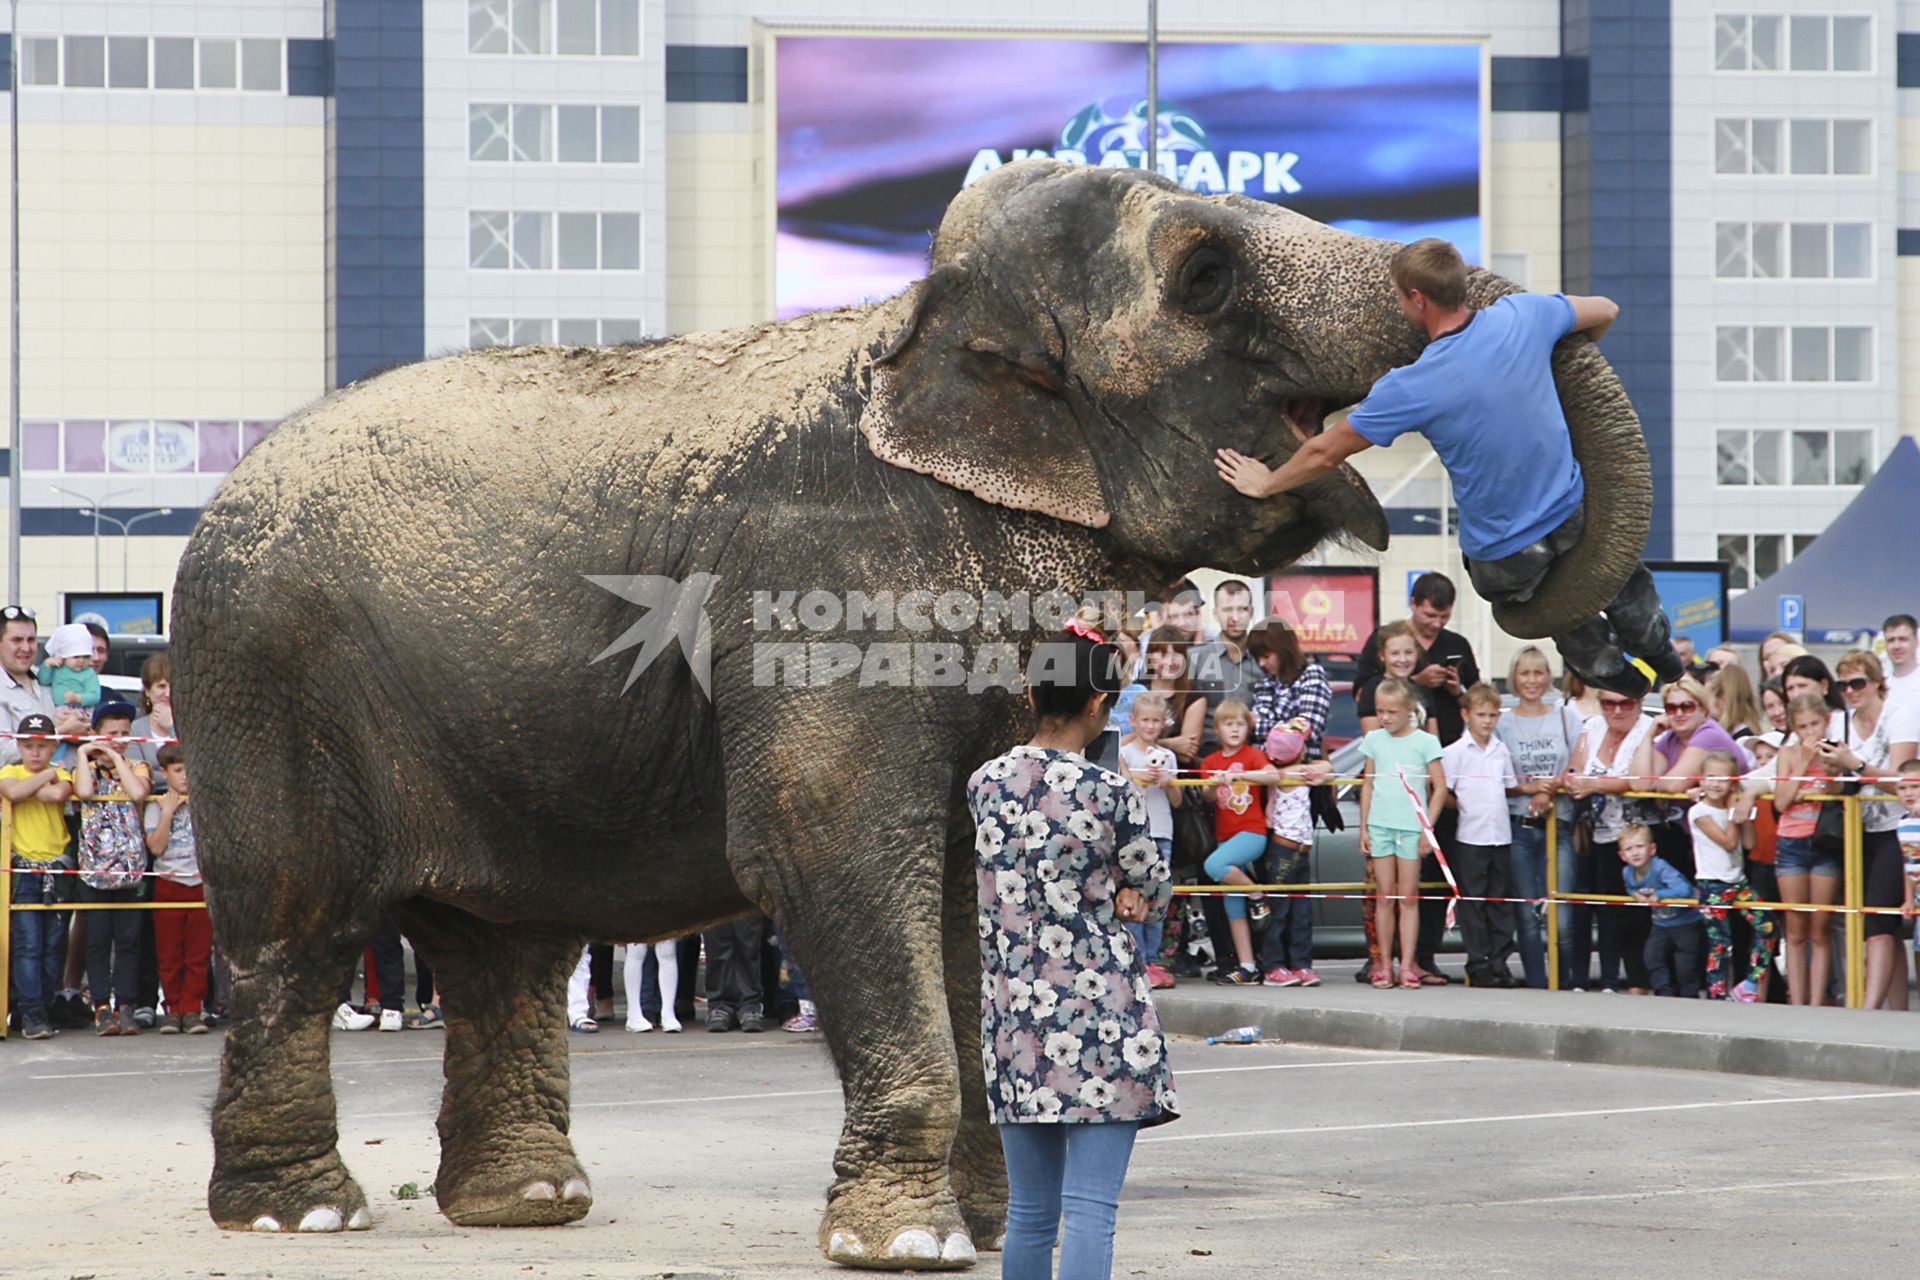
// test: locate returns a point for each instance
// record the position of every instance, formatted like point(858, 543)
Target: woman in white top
point(1544, 741)
point(1602, 769)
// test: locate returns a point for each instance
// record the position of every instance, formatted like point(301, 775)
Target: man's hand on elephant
point(1249, 475)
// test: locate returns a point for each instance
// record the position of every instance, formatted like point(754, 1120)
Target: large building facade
point(229, 209)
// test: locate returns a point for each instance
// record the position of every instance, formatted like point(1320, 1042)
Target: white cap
point(70, 641)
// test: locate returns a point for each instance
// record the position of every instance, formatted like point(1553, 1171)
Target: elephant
point(356, 603)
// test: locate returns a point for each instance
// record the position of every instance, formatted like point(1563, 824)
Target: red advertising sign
point(1331, 610)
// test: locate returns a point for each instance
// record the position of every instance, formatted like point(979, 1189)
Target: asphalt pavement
point(710, 1158)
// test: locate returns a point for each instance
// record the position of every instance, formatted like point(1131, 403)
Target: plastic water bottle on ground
point(1239, 1035)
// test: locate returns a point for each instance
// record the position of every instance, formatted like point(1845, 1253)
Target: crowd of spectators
point(1452, 762)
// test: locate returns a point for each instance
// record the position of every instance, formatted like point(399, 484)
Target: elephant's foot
point(318, 1195)
point(543, 1189)
point(889, 1229)
point(979, 1176)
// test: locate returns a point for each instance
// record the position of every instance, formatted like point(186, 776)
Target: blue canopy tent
point(1857, 572)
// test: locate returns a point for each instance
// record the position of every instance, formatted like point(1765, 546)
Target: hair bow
point(1084, 631)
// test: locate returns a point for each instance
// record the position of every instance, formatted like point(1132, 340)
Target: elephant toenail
point(958, 1249)
point(360, 1220)
point(576, 1189)
point(266, 1222)
point(845, 1244)
point(537, 1191)
point(915, 1244)
point(322, 1219)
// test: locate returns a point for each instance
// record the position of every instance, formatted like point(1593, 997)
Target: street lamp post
point(95, 503)
point(126, 540)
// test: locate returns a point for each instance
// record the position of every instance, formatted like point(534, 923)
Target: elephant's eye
point(1204, 281)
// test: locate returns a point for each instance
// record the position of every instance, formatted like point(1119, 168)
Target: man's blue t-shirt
point(1484, 398)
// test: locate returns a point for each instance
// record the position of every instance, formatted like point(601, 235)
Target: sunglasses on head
point(17, 613)
point(1682, 708)
point(1854, 684)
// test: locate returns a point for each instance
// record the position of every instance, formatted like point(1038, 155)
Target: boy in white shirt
point(1479, 772)
point(1150, 767)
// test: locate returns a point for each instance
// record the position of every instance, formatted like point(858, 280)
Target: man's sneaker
point(69, 1009)
point(144, 1016)
point(1308, 978)
point(105, 1023)
point(198, 1024)
point(1257, 909)
point(801, 1022)
point(1747, 993)
point(751, 1018)
point(1158, 979)
point(348, 1018)
point(129, 1023)
point(719, 1018)
point(172, 1025)
point(33, 1026)
point(391, 1020)
point(1237, 977)
point(1281, 976)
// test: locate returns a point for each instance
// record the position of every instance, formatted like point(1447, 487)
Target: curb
point(1400, 1030)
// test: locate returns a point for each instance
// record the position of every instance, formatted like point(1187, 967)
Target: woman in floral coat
point(1074, 1058)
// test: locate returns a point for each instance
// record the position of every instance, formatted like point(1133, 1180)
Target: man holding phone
point(1446, 664)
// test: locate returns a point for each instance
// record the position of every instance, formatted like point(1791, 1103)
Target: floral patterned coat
point(1068, 1031)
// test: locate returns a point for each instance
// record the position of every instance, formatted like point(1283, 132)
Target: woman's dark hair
point(1070, 671)
point(1808, 667)
point(1165, 637)
point(1272, 635)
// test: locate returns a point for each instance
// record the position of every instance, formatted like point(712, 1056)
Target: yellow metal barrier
point(1853, 897)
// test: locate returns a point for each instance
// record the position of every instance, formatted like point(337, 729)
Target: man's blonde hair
point(1434, 268)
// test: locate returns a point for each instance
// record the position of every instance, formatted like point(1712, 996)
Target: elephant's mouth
point(1341, 501)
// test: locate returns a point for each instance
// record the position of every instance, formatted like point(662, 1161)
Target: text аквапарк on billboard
point(875, 135)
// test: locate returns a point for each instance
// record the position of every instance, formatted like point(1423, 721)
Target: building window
point(90, 446)
point(1766, 458)
point(1793, 250)
point(498, 331)
point(499, 132)
point(1805, 147)
point(568, 28)
point(1796, 353)
point(500, 241)
point(1777, 42)
point(160, 62)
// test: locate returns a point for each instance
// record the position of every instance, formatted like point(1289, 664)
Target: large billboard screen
point(874, 135)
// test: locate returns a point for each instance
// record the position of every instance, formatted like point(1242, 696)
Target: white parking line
point(1654, 1193)
point(428, 1113)
point(1536, 1115)
point(1397, 1061)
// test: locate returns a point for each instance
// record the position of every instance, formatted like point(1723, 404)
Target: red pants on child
point(182, 940)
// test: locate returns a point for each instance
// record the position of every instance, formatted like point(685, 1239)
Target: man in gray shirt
point(20, 694)
point(1223, 668)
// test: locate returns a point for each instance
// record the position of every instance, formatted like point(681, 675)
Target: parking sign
point(1793, 613)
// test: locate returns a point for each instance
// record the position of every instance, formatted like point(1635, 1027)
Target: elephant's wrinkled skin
point(384, 625)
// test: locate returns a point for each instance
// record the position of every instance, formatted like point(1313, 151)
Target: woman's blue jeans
point(1529, 880)
point(1063, 1171)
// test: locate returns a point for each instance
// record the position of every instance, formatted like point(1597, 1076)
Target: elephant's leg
point(856, 891)
point(276, 1159)
point(505, 1159)
point(978, 1168)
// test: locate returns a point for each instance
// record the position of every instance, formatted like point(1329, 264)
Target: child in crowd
point(1908, 789)
point(1290, 844)
point(1151, 767)
point(1805, 871)
point(1240, 831)
point(1400, 757)
point(68, 672)
point(1673, 944)
point(113, 864)
point(1399, 652)
point(1479, 776)
point(39, 791)
point(1718, 845)
point(666, 955)
point(182, 937)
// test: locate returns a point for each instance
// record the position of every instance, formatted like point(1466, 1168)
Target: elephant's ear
point(963, 393)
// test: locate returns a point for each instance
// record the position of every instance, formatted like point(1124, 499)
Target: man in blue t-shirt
point(1483, 395)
